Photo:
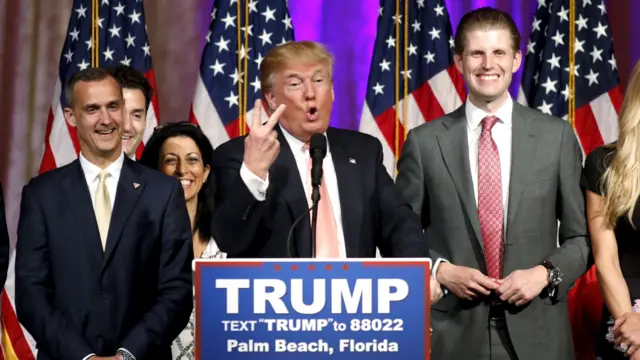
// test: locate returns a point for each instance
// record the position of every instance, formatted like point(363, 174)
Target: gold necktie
point(103, 207)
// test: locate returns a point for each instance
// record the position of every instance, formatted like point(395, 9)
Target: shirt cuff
point(434, 271)
point(127, 351)
point(88, 356)
point(256, 186)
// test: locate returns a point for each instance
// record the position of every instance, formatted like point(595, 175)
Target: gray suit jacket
point(434, 175)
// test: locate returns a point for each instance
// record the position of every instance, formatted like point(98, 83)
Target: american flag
point(425, 56)
point(228, 83)
point(122, 39)
point(597, 97)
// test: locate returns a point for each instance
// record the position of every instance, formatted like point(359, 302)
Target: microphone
point(317, 152)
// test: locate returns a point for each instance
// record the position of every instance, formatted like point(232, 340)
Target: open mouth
point(488, 77)
point(105, 132)
point(312, 113)
point(186, 183)
point(127, 137)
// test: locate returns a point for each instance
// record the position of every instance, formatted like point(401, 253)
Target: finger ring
point(624, 347)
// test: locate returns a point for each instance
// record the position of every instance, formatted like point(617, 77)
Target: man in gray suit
point(490, 182)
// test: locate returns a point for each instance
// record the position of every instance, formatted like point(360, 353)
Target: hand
point(627, 331)
point(466, 283)
point(522, 286)
point(261, 146)
point(435, 290)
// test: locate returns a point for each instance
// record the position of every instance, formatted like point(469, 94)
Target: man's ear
point(271, 101)
point(70, 117)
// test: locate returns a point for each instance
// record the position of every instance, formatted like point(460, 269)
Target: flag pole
point(405, 78)
point(95, 34)
point(246, 65)
point(239, 52)
point(571, 112)
point(397, 81)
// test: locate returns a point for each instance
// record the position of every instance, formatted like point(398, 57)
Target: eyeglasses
point(175, 125)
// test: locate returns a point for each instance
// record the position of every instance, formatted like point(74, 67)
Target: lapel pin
point(352, 160)
point(136, 185)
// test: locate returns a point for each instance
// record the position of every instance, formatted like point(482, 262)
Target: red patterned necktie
point(490, 207)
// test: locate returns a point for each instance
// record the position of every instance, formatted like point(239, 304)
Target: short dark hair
point(89, 74)
point(130, 78)
point(485, 18)
point(151, 158)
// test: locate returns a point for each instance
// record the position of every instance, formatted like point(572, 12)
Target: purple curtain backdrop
point(348, 29)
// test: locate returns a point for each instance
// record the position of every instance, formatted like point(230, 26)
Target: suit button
point(104, 295)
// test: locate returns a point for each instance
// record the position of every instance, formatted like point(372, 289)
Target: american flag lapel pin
point(352, 160)
point(136, 185)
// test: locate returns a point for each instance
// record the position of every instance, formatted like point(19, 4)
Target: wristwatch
point(554, 276)
point(125, 355)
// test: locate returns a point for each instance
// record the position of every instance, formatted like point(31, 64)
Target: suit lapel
point(350, 192)
point(455, 151)
point(285, 171)
point(130, 187)
point(523, 144)
point(75, 187)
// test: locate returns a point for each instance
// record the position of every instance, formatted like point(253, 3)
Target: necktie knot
point(488, 122)
point(103, 175)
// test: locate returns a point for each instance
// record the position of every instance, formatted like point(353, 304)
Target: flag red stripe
point(14, 330)
point(458, 82)
point(587, 129)
point(427, 102)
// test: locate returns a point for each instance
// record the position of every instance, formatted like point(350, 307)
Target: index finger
point(485, 281)
point(257, 114)
point(273, 120)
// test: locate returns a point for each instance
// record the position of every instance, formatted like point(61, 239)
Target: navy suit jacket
point(75, 298)
point(373, 214)
point(4, 241)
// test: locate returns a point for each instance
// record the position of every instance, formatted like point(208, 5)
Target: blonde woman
point(612, 182)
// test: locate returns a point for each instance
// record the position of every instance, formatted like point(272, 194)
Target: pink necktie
point(490, 207)
point(326, 230)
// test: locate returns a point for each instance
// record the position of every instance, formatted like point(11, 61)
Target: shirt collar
point(296, 145)
point(475, 115)
point(91, 170)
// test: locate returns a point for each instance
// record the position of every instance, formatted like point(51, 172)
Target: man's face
point(135, 120)
point(307, 91)
point(98, 117)
point(487, 64)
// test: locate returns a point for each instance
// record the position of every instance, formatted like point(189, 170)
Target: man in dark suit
point(263, 181)
point(4, 241)
point(94, 283)
point(490, 182)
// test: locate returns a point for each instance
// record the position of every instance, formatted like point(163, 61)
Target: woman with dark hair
point(183, 150)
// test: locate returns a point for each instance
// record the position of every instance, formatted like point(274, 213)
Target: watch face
point(555, 276)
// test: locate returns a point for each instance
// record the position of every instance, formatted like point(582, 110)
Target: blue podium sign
point(283, 309)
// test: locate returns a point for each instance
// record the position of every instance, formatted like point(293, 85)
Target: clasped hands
point(519, 287)
point(627, 333)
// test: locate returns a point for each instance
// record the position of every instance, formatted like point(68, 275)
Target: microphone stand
point(315, 198)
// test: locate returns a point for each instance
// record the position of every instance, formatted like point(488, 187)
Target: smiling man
point(490, 182)
point(137, 94)
point(104, 243)
point(263, 179)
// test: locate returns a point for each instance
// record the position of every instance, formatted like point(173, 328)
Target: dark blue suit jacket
point(373, 212)
point(76, 299)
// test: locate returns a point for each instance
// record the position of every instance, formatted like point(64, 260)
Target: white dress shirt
point(91, 172)
point(501, 134)
point(258, 187)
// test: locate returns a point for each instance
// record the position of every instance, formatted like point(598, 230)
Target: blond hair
point(621, 180)
point(281, 55)
point(485, 18)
